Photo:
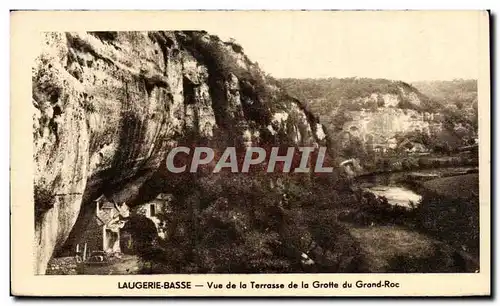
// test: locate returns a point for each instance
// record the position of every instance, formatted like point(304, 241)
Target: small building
point(418, 148)
point(380, 148)
point(405, 145)
point(154, 209)
point(102, 232)
point(351, 166)
point(392, 143)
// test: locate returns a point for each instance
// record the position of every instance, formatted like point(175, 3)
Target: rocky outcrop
point(108, 106)
point(378, 126)
point(377, 117)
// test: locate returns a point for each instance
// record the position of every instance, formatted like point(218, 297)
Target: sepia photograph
point(304, 143)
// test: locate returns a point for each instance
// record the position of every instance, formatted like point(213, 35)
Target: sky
point(408, 46)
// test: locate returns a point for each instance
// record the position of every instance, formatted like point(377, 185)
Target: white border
point(191, 4)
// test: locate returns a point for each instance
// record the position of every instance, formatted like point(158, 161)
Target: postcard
point(250, 153)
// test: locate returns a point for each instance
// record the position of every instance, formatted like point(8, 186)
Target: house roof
point(405, 142)
point(418, 145)
point(101, 198)
point(107, 215)
point(163, 196)
point(108, 205)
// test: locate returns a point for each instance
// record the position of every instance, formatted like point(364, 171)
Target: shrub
point(44, 200)
point(235, 46)
point(105, 36)
point(453, 220)
point(372, 210)
point(443, 259)
point(337, 251)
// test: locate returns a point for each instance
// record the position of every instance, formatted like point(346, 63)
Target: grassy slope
point(450, 211)
point(382, 244)
point(455, 187)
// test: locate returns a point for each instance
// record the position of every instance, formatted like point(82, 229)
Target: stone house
point(102, 232)
point(154, 209)
point(392, 143)
point(405, 145)
point(379, 148)
point(418, 148)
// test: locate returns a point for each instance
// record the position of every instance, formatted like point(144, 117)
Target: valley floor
point(381, 244)
point(387, 249)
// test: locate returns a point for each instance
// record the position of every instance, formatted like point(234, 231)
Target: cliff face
point(108, 106)
point(378, 125)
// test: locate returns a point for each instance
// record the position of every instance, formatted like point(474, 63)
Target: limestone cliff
point(377, 126)
point(108, 106)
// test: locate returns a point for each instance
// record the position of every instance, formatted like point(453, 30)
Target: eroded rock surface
point(108, 106)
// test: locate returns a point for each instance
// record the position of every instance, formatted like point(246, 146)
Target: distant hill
point(464, 91)
point(380, 113)
point(334, 92)
point(456, 97)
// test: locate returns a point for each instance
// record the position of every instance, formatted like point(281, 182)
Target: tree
point(143, 232)
point(380, 101)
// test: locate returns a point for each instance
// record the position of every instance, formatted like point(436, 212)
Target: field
point(450, 211)
point(462, 187)
point(401, 250)
point(441, 234)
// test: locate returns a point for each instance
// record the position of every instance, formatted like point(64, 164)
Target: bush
point(235, 46)
point(453, 220)
point(335, 249)
point(373, 210)
point(229, 245)
point(44, 200)
point(105, 36)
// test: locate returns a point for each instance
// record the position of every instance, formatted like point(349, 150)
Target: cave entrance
point(188, 88)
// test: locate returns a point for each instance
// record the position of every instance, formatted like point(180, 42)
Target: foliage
point(457, 100)
point(235, 46)
point(337, 251)
point(105, 35)
point(442, 260)
point(373, 210)
point(143, 231)
point(241, 223)
point(450, 210)
point(326, 95)
point(44, 200)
